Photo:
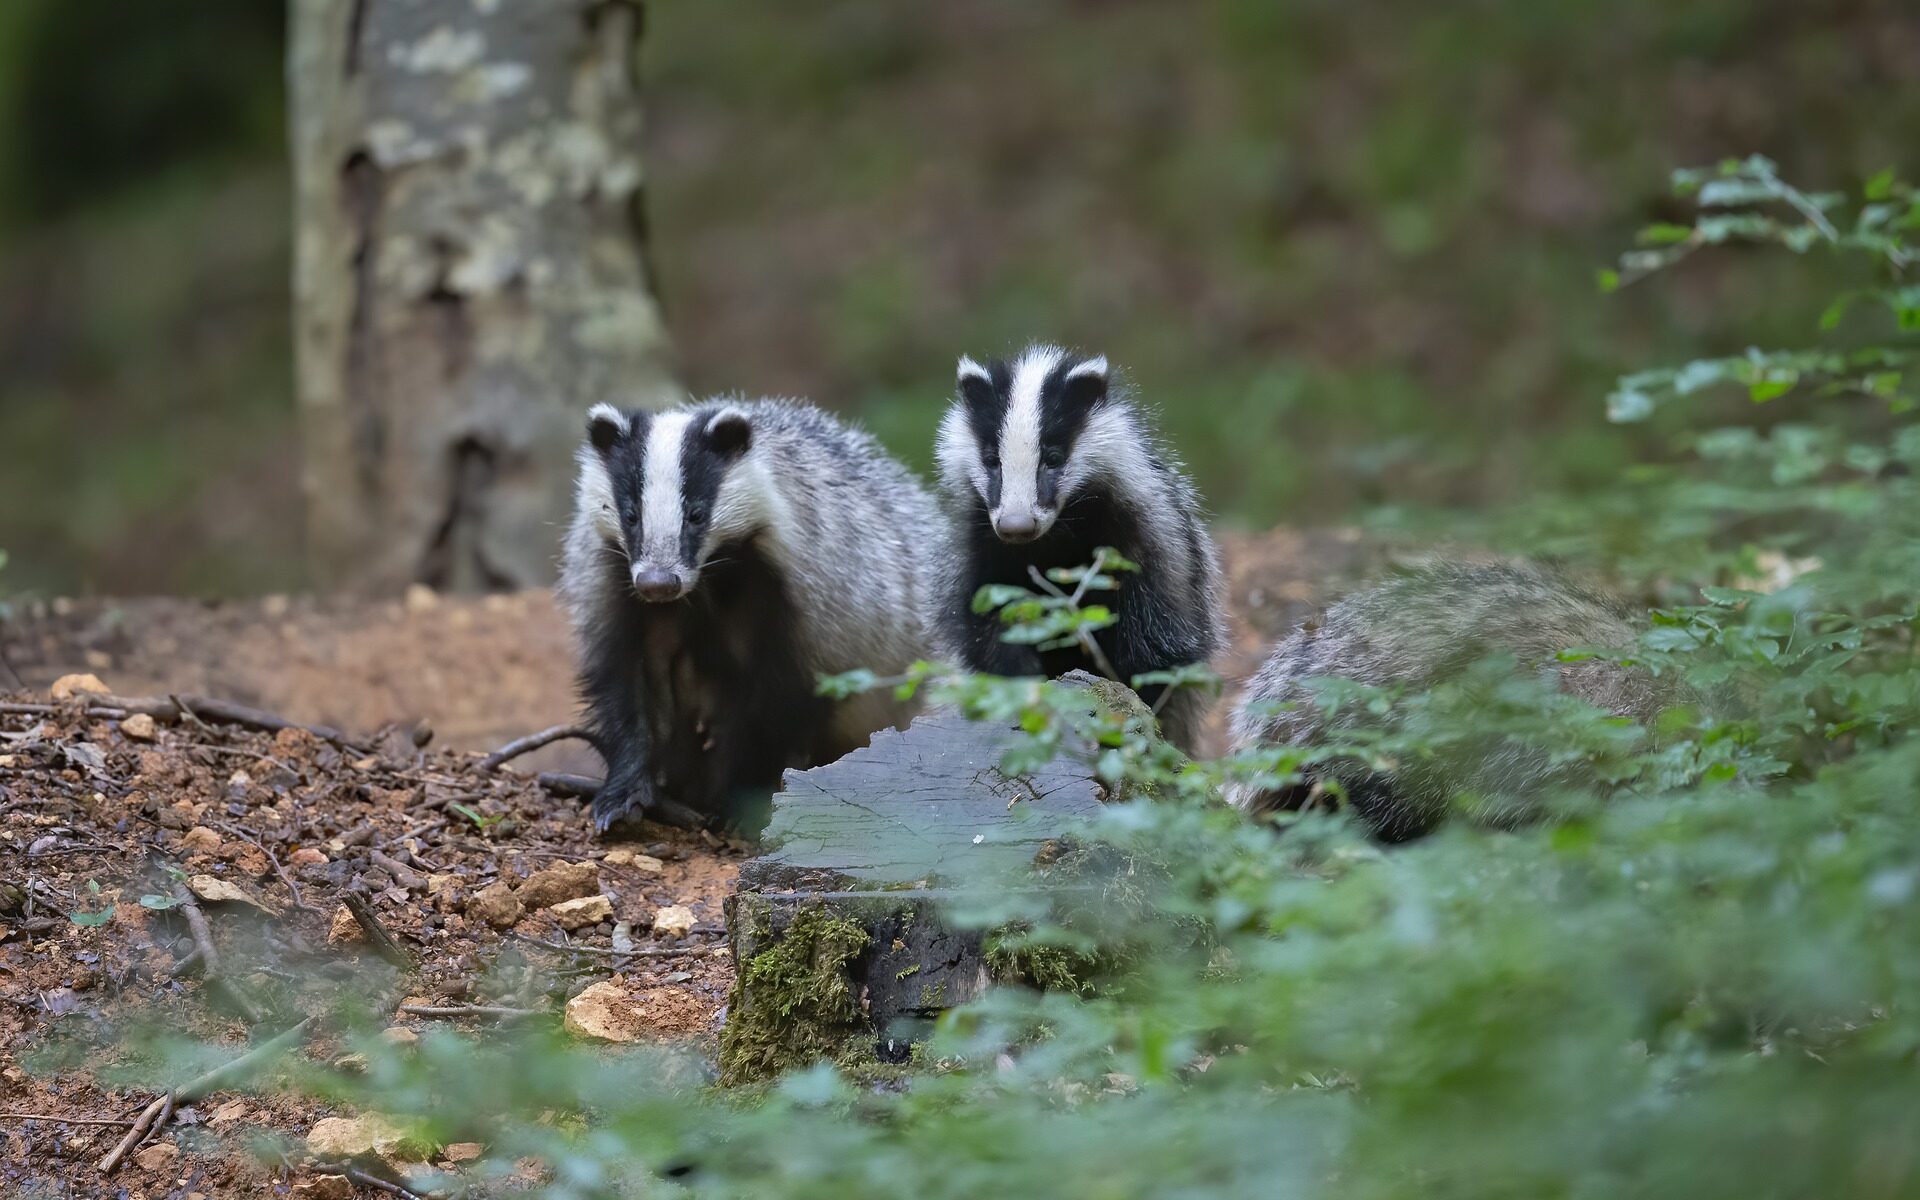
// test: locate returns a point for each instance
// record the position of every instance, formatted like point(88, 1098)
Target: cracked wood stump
point(470, 276)
point(836, 929)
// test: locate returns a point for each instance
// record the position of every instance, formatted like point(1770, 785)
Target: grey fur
point(1120, 485)
point(1420, 630)
point(845, 543)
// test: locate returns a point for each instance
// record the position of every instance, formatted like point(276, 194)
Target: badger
point(1422, 629)
point(1042, 461)
point(721, 557)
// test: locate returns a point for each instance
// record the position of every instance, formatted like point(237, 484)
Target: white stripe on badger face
point(660, 495)
point(1020, 440)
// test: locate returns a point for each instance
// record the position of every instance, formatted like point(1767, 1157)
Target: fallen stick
point(402, 874)
point(176, 709)
point(366, 1180)
point(293, 889)
point(598, 952)
point(532, 742)
point(471, 1010)
point(209, 956)
point(150, 1119)
point(122, 1122)
point(384, 943)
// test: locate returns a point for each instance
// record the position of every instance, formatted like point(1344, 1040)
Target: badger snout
point(655, 584)
point(1019, 527)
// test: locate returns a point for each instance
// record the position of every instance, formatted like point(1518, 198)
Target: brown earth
point(97, 813)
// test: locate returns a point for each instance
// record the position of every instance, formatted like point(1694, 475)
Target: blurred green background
point(1346, 248)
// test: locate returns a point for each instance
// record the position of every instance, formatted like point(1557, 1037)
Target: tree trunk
point(470, 276)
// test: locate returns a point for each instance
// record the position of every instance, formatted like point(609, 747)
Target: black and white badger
point(1425, 628)
point(1043, 460)
point(721, 557)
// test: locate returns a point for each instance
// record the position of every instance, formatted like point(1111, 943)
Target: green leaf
point(1664, 234)
point(1607, 279)
point(1879, 186)
point(1769, 389)
point(92, 918)
point(158, 903)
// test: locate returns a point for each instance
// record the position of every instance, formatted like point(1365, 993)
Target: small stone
point(347, 1137)
point(356, 1062)
point(158, 1157)
point(343, 929)
point(307, 856)
point(215, 890)
point(605, 1012)
point(139, 727)
point(460, 1152)
point(561, 881)
point(587, 910)
point(640, 862)
point(232, 1110)
point(399, 1035)
point(496, 905)
point(68, 686)
point(324, 1187)
point(200, 838)
point(675, 920)
point(438, 883)
point(421, 598)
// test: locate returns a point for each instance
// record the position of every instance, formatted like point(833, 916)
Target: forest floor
point(118, 836)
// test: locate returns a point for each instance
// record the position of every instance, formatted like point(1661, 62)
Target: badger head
point(1025, 436)
point(668, 489)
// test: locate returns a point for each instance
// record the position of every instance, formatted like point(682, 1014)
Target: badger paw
point(621, 800)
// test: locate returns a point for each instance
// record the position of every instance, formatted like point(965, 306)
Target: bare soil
point(97, 814)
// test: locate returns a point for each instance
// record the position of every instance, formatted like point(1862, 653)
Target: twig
point(383, 942)
point(122, 1122)
point(150, 1119)
point(7, 666)
point(366, 1180)
point(198, 927)
point(471, 1010)
point(530, 743)
point(1081, 635)
point(559, 783)
point(292, 887)
point(209, 956)
point(597, 952)
point(205, 709)
point(402, 874)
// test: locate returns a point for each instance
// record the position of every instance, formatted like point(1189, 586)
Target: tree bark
point(470, 276)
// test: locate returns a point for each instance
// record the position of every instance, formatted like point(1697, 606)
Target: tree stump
point(470, 277)
point(838, 929)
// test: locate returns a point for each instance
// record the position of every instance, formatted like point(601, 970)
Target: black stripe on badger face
point(1026, 417)
point(666, 474)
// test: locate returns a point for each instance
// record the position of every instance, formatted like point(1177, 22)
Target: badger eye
point(696, 513)
point(1053, 458)
point(992, 459)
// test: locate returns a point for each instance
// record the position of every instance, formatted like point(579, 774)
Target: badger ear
point(1086, 384)
point(606, 425)
point(975, 383)
point(730, 433)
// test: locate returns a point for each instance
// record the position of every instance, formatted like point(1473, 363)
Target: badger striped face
point(668, 488)
point(1020, 433)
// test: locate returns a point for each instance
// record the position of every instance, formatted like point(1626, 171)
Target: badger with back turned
point(1429, 627)
point(721, 557)
point(1043, 460)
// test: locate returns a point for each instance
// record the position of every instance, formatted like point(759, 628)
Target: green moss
point(1012, 958)
point(793, 1002)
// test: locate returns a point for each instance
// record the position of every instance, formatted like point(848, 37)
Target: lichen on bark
point(470, 277)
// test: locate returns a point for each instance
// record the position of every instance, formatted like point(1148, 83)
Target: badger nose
point(653, 583)
point(1017, 527)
